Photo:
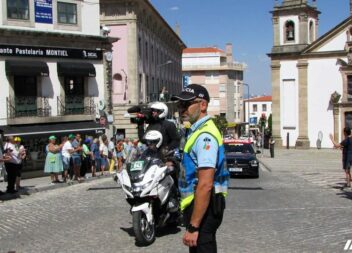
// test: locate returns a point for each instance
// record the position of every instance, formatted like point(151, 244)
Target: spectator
point(96, 158)
point(76, 157)
point(104, 152)
point(53, 162)
point(120, 155)
point(22, 156)
point(112, 155)
point(346, 146)
point(12, 163)
point(87, 157)
point(135, 151)
point(66, 153)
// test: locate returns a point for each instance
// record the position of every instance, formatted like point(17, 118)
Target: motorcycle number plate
point(137, 166)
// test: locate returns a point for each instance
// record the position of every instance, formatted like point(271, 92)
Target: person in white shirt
point(104, 152)
point(12, 163)
point(66, 153)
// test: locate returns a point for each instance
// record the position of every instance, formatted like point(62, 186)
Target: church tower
point(295, 24)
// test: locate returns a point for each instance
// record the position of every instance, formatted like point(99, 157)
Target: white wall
point(200, 60)
point(337, 43)
point(289, 73)
point(324, 78)
point(88, 17)
point(4, 87)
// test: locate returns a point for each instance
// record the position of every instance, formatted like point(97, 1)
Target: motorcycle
point(148, 185)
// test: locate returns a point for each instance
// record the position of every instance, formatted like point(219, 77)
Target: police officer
point(203, 179)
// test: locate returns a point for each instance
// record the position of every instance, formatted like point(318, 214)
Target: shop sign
point(43, 11)
point(28, 51)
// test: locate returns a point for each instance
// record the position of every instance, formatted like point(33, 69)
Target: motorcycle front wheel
point(144, 231)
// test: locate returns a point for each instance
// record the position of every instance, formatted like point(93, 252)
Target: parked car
point(241, 158)
point(245, 137)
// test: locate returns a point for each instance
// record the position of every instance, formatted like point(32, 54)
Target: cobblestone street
point(281, 211)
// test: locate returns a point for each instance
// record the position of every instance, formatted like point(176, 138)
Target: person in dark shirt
point(346, 146)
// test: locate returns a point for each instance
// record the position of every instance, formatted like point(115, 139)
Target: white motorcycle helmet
point(153, 137)
point(162, 108)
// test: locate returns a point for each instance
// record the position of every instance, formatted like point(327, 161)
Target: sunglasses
point(186, 104)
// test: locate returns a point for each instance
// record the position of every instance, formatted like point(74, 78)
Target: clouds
point(174, 8)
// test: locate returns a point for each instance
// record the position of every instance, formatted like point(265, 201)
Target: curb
point(29, 191)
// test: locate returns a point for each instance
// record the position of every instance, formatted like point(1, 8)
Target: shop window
point(18, 9)
point(67, 13)
point(290, 31)
point(25, 88)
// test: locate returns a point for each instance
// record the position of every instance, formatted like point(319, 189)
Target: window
point(349, 88)
point(264, 107)
point(311, 31)
point(255, 108)
point(67, 13)
point(18, 9)
point(290, 30)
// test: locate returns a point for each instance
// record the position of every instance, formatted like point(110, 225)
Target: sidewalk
point(40, 184)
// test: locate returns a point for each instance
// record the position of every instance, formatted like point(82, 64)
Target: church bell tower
point(295, 24)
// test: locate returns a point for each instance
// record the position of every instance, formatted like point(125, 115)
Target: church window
point(311, 31)
point(290, 31)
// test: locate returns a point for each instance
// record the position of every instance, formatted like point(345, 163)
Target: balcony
point(36, 110)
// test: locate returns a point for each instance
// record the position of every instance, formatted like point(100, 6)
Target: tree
point(221, 122)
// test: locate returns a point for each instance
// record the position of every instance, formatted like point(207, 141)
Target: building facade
point(53, 71)
point(217, 71)
point(146, 59)
point(311, 76)
point(257, 106)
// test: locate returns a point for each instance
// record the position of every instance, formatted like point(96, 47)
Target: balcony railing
point(75, 105)
point(27, 107)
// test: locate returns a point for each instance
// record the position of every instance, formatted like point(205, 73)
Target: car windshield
point(239, 148)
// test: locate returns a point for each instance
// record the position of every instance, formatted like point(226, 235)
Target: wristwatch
point(190, 228)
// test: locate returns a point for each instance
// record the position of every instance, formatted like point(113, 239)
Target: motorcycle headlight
point(254, 163)
point(147, 185)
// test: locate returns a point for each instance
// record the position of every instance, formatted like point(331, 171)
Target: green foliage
point(220, 122)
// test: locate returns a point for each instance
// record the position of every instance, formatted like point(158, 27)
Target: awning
point(26, 68)
point(48, 129)
point(75, 69)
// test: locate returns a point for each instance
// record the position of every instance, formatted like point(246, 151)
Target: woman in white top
point(104, 152)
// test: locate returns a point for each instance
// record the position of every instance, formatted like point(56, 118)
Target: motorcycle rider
point(159, 111)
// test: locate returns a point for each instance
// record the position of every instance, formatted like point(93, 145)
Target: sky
point(244, 23)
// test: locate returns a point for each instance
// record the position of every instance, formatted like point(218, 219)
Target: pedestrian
point(77, 157)
point(12, 163)
point(104, 152)
point(53, 162)
point(66, 153)
point(346, 146)
point(203, 179)
point(87, 157)
point(134, 153)
point(96, 158)
point(22, 155)
point(112, 154)
point(120, 155)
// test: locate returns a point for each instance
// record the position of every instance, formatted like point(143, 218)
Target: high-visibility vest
point(188, 171)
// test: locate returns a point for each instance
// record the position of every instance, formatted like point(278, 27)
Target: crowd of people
point(71, 157)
